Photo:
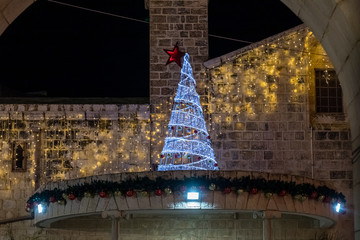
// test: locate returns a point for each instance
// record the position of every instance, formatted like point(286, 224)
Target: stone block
point(280, 203)
point(263, 202)
point(75, 115)
point(5, 194)
point(268, 136)
point(306, 205)
point(337, 174)
point(230, 200)
point(219, 200)
point(9, 204)
point(252, 201)
point(121, 203)
point(289, 202)
point(2, 185)
point(132, 202)
point(229, 145)
point(93, 202)
point(247, 155)
point(207, 198)
point(158, 18)
point(248, 136)
point(259, 145)
point(271, 204)
point(241, 200)
point(54, 210)
point(67, 208)
point(268, 155)
point(16, 115)
point(60, 210)
point(34, 116)
point(111, 205)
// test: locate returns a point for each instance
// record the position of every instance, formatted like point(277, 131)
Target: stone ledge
point(209, 200)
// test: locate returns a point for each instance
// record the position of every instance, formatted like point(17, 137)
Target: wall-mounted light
point(40, 208)
point(193, 196)
point(338, 207)
point(193, 200)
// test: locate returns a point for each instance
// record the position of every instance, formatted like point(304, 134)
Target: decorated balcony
point(121, 197)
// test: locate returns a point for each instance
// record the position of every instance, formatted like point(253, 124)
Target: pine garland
point(146, 186)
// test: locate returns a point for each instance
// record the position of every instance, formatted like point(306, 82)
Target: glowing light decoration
point(192, 196)
point(338, 207)
point(40, 208)
point(187, 145)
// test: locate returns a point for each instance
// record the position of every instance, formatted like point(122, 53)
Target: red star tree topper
point(175, 55)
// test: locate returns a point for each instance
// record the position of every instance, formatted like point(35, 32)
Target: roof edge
point(215, 62)
point(65, 100)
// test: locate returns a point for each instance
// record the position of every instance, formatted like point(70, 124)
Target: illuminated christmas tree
point(187, 145)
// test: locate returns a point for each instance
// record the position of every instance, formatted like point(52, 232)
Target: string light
point(249, 82)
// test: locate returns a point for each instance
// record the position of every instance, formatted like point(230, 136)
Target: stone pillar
point(171, 22)
point(114, 216)
point(267, 216)
point(356, 176)
point(114, 228)
point(335, 23)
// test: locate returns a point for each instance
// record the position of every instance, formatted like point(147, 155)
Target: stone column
point(267, 216)
point(171, 22)
point(356, 176)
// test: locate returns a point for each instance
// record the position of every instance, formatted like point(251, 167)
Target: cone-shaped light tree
point(187, 145)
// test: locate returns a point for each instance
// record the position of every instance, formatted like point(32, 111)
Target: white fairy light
point(187, 145)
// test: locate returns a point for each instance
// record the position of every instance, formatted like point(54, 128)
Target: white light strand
point(187, 145)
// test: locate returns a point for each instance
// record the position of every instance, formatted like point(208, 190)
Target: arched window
point(328, 92)
point(19, 157)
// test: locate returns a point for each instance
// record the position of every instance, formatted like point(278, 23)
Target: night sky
point(69, 52)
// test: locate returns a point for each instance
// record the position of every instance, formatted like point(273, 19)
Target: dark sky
point(69, 52)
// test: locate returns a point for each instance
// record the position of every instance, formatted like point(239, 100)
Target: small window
point(19, 157)
point(328, 92)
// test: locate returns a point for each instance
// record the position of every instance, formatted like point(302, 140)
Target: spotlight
point(193, 196)
point(40, 208)
point(193, 200)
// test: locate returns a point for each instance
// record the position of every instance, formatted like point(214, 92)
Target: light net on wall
point(187, 145)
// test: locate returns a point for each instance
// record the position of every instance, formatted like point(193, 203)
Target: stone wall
point(67, 141)
point(171, 22)
point(262, 113)
point(261, 110)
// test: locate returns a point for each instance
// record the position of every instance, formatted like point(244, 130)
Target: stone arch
point(10, 10)
point(336, 25)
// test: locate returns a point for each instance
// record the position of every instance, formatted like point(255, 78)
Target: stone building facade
point(259, 103)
